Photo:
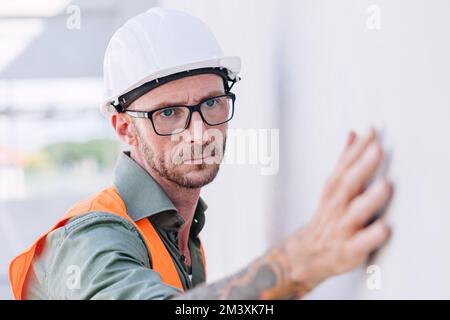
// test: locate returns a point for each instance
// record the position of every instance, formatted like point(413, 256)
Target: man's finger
point(355, 147)
point(350, 139)
point(370, 238)
point(358, 175)
point(363, 207)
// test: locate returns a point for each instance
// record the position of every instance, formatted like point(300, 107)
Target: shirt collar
point(143, 197)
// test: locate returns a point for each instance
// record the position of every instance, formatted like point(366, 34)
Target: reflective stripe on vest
point(108, 201)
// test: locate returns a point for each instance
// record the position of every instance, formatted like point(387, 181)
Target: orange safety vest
point(108, 201)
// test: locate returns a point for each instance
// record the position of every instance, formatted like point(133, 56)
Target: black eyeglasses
point(172, 120)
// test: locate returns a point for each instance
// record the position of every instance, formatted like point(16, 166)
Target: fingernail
point(373, 151)
point(351, 137)
point(384, 229)
point(384, 184)
point(369, 132)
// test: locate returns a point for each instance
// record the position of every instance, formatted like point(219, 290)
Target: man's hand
point(338, 239)
point(335, 241)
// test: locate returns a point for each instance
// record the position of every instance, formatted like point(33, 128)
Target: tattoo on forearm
point(266, 278)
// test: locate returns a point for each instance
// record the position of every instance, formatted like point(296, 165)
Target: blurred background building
point(312, 69)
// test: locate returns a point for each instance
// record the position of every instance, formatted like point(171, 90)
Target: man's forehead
point(179, 91)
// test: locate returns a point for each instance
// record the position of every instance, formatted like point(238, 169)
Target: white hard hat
point(152, 47)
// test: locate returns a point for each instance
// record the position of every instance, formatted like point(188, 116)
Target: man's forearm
point(269, 277)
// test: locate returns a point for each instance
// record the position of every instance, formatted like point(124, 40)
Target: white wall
point(316, 69)
point(344, 75)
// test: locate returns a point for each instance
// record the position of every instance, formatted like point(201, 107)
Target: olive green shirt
point(99, 255)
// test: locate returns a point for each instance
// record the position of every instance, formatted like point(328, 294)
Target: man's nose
point(196, 129)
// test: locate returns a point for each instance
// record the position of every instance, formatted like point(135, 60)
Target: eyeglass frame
point(192, 108)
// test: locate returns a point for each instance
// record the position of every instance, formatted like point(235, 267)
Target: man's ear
point(124, 128)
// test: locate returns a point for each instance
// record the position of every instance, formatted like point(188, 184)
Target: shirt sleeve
point(96, 256)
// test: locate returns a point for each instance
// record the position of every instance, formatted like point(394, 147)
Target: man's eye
point(211, 103)
point(167, 112)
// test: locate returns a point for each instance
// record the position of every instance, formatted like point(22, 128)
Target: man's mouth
point(199, 155)
point(209, 159)
point(204, 158)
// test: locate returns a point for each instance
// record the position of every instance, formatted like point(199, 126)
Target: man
point(168, 97)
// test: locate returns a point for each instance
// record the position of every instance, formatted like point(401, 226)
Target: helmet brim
point(232, 64)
